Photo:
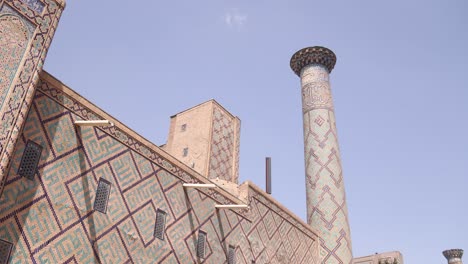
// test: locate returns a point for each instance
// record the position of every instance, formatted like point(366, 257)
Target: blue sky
point(400, 90)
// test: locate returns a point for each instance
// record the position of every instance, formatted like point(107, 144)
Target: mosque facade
point(78, 186)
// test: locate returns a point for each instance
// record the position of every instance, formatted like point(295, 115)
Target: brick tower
point(327, 211)
point(206, 138)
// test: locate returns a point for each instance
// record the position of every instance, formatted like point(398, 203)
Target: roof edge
point(192, 173)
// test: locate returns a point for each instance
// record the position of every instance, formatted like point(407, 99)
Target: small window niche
point(160, 226)
point(5, 251)
point(30, 160)
point(183, 127)
point(232, 255)
point(185, 152)
point(201, 244)
point(102, 196)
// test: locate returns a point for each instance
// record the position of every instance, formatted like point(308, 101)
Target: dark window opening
point(30, 160)
point(160, 225)
point(5, 251)
point(201, 244)
point(102, 196)
point(232, 255)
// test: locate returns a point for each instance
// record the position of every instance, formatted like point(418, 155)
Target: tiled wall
point(51, 218)
point(27, 28)
point(327, 210)
point(224, 146)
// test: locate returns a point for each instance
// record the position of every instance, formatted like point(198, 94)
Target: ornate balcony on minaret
point(453, 256)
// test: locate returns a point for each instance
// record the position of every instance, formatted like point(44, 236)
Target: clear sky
point(400, 90)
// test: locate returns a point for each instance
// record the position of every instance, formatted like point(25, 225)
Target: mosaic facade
point(326, 202)
point(14, 38)
point(26, 31)
point(52, 219)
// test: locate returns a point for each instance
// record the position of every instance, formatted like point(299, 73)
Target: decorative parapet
point(389, 261)
point(392, 257)
point(313, 55)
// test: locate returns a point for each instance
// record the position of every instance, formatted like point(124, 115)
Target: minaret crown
point(453, 253)
point(312, 55)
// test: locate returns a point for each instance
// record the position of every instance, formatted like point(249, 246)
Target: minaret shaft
point(326, 200)
point(326, 203)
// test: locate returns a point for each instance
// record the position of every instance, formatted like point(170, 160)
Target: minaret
point(327, 211)
point(453, 256)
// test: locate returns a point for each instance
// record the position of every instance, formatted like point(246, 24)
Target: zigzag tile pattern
point(222, 146)
point(326, 199)
point(274, 237)
point(51, 219)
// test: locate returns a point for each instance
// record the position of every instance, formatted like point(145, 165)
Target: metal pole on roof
point(268, 175)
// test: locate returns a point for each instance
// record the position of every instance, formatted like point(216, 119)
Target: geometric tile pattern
point(13, 43)
point(326, 202)
point(30, 160)
point(22, 58)
point(222, 146)
point(275, 237)
point(51, 219)
point(35, 5)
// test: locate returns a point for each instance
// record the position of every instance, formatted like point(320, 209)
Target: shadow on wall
point(191, 220)
point(87, 190)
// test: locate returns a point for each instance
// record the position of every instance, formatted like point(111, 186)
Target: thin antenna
point(268, 175)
